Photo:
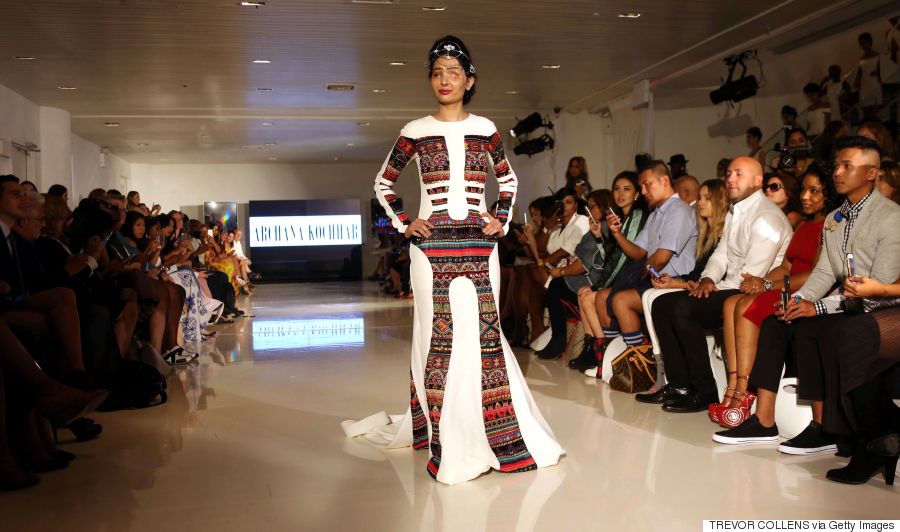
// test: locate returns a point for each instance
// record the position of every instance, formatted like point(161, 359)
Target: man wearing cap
point(678, 165)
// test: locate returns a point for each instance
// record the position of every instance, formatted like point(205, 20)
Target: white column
point(56, 149)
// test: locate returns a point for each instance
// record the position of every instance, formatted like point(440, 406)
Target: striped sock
point(611, 334)
point(634, 338)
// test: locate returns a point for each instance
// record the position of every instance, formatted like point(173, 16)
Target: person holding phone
point(631, 210)
point(666, 244)
point(865, 225)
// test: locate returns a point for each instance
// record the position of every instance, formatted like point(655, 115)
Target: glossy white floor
point(250, 440)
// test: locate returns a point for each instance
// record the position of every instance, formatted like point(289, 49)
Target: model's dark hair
point(465, 60)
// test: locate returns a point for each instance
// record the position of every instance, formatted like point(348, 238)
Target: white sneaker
point(592, 372)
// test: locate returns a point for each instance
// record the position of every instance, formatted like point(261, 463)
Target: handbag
point(869, 304)
point(633, 372)
point(574, 332)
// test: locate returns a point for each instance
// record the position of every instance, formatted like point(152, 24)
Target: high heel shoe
point(715, 409)
point(735, 415)
point(863, 465)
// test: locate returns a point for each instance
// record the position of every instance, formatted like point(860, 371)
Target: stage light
point(534, 146)
point(736, 90)
point(527, 125)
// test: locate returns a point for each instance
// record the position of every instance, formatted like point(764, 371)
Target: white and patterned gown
point(469, 403)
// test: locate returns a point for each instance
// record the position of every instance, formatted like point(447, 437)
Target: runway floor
point(250, 440)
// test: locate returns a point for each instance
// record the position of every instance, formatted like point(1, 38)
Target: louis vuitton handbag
point(633, 371)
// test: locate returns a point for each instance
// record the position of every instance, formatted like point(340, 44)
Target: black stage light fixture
point(527, 125)
point(534, 146)
point(736, 90)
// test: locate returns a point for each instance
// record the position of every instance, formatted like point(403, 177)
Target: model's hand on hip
point(419, 227)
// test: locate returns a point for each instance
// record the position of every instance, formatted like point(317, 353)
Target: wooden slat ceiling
point(180, 78)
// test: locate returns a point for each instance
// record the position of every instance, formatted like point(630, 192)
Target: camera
point(788, 157)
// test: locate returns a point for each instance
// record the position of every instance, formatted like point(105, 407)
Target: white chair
point(791, 415)
point(613, 350)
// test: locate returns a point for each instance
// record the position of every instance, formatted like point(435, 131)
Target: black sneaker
point(748, 432)
point(811, 441)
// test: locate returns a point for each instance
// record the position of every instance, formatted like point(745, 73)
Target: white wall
point(88, 174)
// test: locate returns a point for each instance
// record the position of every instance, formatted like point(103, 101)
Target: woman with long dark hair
point(469, 404)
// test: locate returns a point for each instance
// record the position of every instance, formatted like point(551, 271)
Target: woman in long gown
point(469, 403)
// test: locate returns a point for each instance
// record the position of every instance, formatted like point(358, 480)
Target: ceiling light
point(379, 91)
point(67, 88)
point(384, 2)
point(164, 160)
point(350, 144)
point(24, 58)
point(433, 8)
point(512, 92)
point(535, 146)
point(268, 123)
point(337, 158)
point(263, 89)
point(397, 63)
point(595, 14)
point(364, 124)
point(270, 144)
point(252, 147)
point(142, 144)
point(261, 61)
point(273, 158)
point(550, 66)
point(204, 136)
point(340, 87)
point(529, 124)
point(257, 3)
point(629, 15)
point(111, 124)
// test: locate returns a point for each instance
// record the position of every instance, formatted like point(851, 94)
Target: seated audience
point(630, 208)
point(780, 189)
point(866, 226)
point(744, 313)
point(754, 143)
point(755, 237)
point(888, 181)
point(687, 187)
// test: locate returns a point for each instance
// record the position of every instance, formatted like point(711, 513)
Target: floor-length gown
point(469, 403)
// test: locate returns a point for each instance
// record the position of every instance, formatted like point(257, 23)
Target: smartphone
point(851, 270)
point(786, 293)
point(593, 221)
point(653, 272)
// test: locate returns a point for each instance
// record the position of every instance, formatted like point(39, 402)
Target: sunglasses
point(774, 187)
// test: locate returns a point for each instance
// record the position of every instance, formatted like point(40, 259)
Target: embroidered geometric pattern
point(459, 248)
point(400, 156)
point(434, 161)
point(419, 421)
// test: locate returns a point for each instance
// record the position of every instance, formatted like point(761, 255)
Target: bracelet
point(540, 263)
point(885, 289)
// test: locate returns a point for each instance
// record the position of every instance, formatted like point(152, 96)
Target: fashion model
point(469, 404)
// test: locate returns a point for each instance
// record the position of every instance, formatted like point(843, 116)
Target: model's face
point(139, 229)
point(742, 179)
point(812, 196)
point(775, 192)
point(448, 80)
point(704, 203)
point(624, 194)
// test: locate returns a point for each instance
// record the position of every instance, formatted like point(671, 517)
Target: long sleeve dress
point(469, 403)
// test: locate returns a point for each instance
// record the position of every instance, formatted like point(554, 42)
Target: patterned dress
point(469, 403)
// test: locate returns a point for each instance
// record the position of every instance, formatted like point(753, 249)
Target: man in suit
point(866, 226)
point(12, 207)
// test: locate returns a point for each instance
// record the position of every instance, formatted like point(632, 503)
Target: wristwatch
point(768, 284)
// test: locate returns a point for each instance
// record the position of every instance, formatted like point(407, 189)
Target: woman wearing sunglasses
point(781, 191)
point(470, 405)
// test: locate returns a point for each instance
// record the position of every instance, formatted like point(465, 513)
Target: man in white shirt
point(755, 238)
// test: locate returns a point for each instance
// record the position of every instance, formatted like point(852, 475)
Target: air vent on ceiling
point(340, 86)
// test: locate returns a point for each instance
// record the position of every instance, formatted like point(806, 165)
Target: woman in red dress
point(745, 312)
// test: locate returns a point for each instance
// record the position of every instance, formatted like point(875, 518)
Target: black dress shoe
point(85, 429)
point(553, 350)
point(664, 394)
point(692, 402)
